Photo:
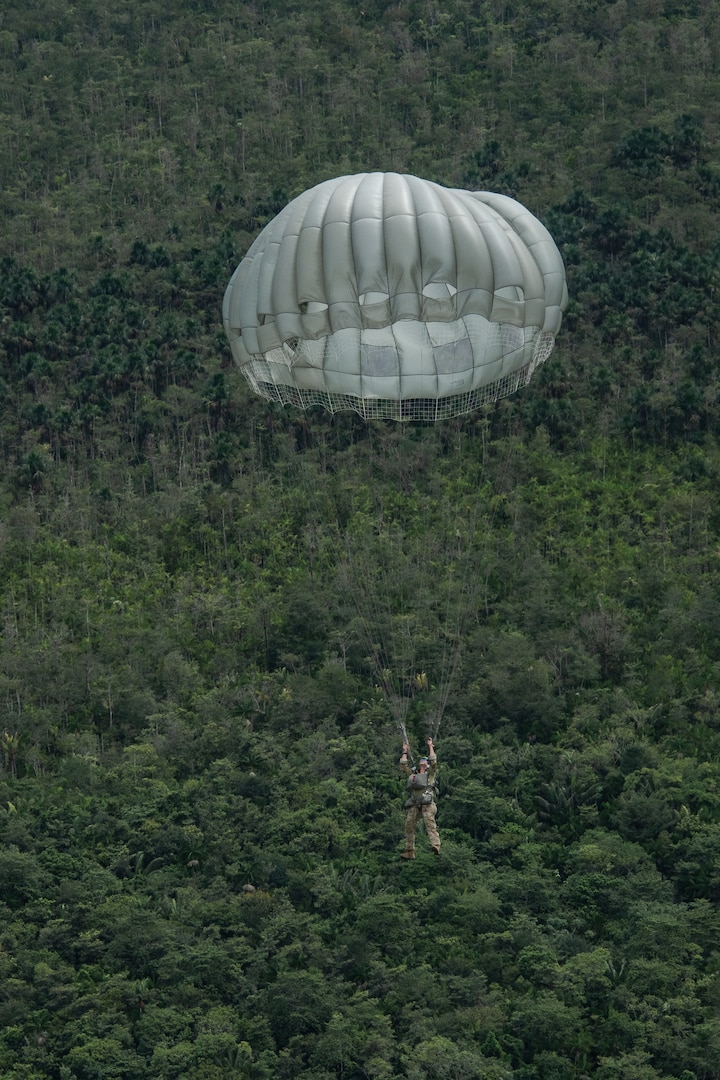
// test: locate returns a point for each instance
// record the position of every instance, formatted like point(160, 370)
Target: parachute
point(395, 297)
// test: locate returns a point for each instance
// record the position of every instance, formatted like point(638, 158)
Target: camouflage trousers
point(411, 819)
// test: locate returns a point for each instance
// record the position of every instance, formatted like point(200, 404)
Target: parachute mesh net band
point(370, 408)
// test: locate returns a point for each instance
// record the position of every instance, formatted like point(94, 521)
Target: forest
point(204, 596)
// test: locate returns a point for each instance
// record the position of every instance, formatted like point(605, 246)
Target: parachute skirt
point(407, 371)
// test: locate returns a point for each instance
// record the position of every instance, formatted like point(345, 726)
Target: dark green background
point(195, 586)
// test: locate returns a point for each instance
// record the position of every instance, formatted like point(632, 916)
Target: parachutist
point(420, 785)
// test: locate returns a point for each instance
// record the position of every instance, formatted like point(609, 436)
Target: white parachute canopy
point(395, 297)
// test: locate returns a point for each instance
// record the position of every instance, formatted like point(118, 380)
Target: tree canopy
point(213, 607)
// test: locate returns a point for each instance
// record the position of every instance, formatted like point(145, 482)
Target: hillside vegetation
point(200, 808)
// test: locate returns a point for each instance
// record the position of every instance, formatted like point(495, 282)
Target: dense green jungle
point(205, 597)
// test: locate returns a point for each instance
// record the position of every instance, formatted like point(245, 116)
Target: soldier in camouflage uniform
point(421, 799)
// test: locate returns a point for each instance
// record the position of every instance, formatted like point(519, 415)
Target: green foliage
point(214, 611)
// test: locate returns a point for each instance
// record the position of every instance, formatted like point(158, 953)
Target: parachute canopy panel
point(395, 297)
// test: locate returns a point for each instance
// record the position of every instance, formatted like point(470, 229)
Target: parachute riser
point(406, 742)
